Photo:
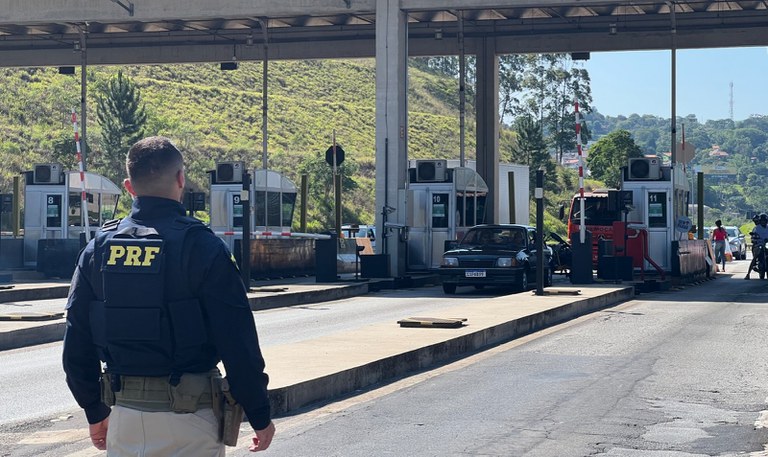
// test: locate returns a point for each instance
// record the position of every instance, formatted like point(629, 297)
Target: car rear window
point(503, 236)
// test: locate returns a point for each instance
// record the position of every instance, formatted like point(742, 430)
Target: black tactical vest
point(146, 321)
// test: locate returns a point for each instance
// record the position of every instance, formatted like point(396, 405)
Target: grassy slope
point(215, 115)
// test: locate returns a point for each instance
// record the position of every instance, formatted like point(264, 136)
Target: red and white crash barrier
point(271, 234)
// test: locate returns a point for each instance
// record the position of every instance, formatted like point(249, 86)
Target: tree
point(609, 154)
point(511, 69)
point(531, 149)
point(122, 118)
point(321, 193)
point(550, 85)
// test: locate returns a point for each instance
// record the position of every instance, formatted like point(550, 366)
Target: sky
point(640, 82)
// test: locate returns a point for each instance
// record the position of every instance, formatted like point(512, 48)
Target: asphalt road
point(33, 381)
point(671, 374)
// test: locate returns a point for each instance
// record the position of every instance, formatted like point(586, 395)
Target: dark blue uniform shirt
point(217, 285)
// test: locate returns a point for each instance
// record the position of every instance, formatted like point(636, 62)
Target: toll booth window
point(74, 216)
point(273, 213)
point(440, 211)
point(657, 209)
point(108, 207)
point(288, 205)
point(53, 210)
point(474, 213)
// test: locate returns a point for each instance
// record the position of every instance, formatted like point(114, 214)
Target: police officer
point(157, 298)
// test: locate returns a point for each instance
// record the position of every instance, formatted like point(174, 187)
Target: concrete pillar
point(391, 128)
point(487, 120)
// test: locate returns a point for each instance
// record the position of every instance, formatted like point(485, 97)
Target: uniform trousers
point(134, 433)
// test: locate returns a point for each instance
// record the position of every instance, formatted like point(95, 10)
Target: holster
point(189, 394)
point(107, 395)
point(228, 412)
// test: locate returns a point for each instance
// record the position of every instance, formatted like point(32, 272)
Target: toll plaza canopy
point(46, 32)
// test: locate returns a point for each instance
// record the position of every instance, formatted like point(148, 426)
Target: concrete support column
point(487, 104)
point(391, 129)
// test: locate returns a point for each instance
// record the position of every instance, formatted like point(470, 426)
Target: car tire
point(523, 282)
point(449, 288)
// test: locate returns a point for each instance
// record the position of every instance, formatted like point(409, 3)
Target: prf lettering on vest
point(132, 256)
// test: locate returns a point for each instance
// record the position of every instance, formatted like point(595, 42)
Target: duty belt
point(155, 394)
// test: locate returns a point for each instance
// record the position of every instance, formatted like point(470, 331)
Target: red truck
point(598, 218)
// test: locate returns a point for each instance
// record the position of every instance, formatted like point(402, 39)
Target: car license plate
point(474, 274)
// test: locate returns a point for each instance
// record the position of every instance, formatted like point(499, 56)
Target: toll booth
point(274, 201)
point(657, 203)
point(512, 191)
point(272, 196)
point(52, 210)
point(440, 205)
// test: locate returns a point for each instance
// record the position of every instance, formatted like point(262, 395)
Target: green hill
point(217, 115)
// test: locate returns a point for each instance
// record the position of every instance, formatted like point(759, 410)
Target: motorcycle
point(561, 255)
point(760, 252)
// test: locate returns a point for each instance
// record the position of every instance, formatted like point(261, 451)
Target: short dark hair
point(152, 158)
point(718, 222)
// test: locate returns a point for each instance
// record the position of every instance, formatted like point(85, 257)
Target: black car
point(494, 255)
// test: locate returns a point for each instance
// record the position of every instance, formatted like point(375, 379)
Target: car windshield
point(732, 232)
point(513, 238)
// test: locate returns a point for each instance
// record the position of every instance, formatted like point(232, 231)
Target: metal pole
point(245, 260)
point(700, 205)
point(264, 119)
point(16, 207)
point(304, 195)
point(336, 189)
point(539, 232)
point(673, 135)
point(385, 211)
point(462, 91)
point(83, 97)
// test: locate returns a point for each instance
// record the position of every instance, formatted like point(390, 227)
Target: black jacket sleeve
point(233, 331)
point(80, 358)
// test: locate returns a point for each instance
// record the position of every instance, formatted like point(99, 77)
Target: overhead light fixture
point(249, 39)
point(579, 56)
point(612, 29)
point(226, 66)
point(66, 70)
point(76, 46)
point(438, 34)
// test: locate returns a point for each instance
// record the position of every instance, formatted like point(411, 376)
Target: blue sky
point(640, 82)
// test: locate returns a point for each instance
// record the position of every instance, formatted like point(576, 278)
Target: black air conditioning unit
point(47, 173)
point(229, 172)
point(431, 170)
point(644, 168)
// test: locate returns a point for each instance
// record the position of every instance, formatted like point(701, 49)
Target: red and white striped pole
point(83, 196)
point(582, 226)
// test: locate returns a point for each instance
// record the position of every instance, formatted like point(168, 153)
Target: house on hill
point(717, 152)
